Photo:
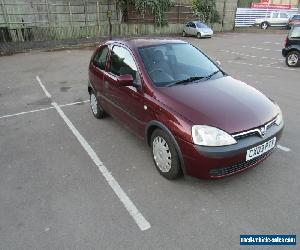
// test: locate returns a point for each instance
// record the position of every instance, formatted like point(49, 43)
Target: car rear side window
point(283, 15)
point(122, 63)
point(100, 58)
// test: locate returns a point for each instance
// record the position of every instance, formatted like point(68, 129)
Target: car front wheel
point(199, 35)
point(165, 155)
point(264, 25)
point(293, 59)
point(183, 33)
point(97, 110)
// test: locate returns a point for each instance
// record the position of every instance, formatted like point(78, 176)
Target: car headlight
point(210, 136)
point(279, 117)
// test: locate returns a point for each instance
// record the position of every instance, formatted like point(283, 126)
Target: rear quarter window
point(100, 58)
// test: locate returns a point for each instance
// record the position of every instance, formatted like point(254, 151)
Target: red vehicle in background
point(196, 119)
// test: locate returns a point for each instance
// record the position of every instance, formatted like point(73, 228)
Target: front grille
point(218, 172)
point(255, 131)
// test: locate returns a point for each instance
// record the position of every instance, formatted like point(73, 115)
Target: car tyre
point(97, 110)
point(199, 35)
point(183, 33)
point(165, 155)
point(264, 25)
point(293, 59)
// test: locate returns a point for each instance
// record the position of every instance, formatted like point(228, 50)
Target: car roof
point(144, 42)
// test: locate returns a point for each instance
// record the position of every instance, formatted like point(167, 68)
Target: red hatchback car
point(197, 120)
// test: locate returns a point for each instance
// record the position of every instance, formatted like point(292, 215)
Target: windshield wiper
point(187, 80)
point(212, 74)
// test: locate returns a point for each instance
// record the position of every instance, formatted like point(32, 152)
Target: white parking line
point(258, 48)
point(253, 56)
point(260, 65)
point(43, 87)
point(26, 112)
point(283, 148)
point(43, 109)
point(272, 43)
point(140, 220)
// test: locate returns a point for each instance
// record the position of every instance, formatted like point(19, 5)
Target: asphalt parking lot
point(69, 181)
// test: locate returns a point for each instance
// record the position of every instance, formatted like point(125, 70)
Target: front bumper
point(284, 52)
point(206, 34)
point(216, 162)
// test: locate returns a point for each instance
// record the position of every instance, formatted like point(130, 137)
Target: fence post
point(98, 15)
point(48, 13)
point(223, 14)
point(178, 11)
point(70, 13)
point(85, 12)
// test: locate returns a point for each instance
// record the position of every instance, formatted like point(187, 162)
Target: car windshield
point(295, 32)
point(181, 63)
point(201, 25)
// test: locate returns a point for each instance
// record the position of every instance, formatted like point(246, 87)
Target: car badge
point(262, 131)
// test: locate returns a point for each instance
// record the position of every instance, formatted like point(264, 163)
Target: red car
point(197, 120)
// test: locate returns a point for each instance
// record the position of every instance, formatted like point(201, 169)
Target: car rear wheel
point(97, 110)
point(183, 33)
point(293, 59)
point(165, 155)
point(264, 25)
point(198, 35)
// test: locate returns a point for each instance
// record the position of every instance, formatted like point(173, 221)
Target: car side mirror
point(218, 63)
point(125, 80)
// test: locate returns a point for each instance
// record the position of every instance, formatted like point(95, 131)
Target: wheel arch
point(90, 87)
point(151, 127)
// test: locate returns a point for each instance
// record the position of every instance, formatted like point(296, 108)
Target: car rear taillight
point(286, 42)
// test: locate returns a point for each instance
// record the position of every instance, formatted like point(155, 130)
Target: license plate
point(260, 149)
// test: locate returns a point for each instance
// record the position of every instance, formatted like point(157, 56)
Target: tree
point(157, 8)
point(205, 10)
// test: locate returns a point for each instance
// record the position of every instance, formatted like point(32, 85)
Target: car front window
point(295, 32)
point(170, 63)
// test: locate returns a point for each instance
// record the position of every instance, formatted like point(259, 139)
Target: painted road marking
point(140, 220)
point(272, 43)
point(264, 66)
point(253, 56)
point(43, 109)
point(26, 112)
point(43, 87)
point(258, 48)
point(283, 148)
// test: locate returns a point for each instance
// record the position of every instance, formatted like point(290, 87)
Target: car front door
point(275, 20)
point(283, 19)
point(193, 29)
point(187, 28)
point(126, 103)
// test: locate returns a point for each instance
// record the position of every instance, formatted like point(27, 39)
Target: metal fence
point(46, 19)
point(245, 17)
